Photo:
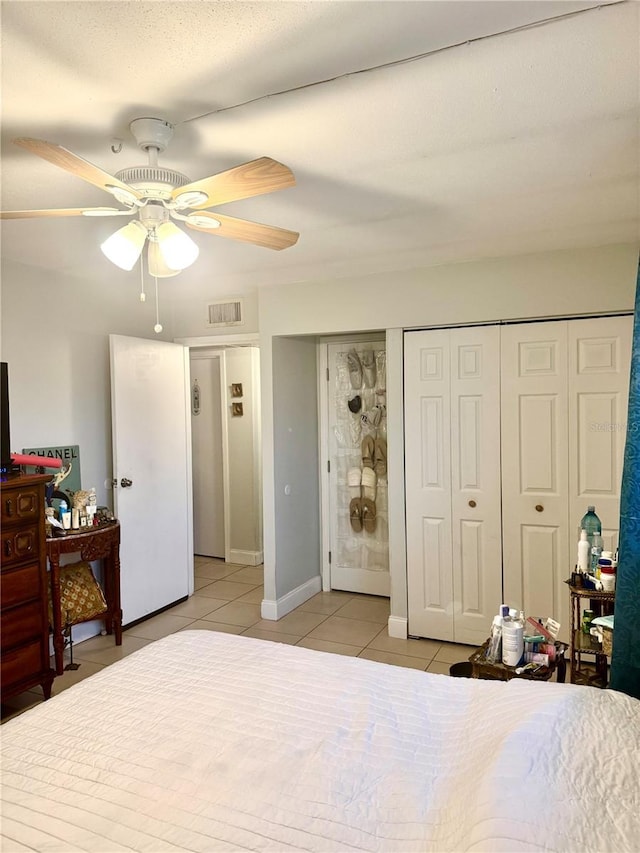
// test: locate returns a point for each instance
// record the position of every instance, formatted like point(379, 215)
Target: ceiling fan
point(156, 195)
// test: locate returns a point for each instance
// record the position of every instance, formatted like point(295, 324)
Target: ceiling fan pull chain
point(143, 295)
point(157, 328)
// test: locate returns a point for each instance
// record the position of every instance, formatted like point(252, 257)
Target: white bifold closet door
point(564, 409)
point(452, 447)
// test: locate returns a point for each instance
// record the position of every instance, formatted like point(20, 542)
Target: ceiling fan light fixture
point(191, 198)
point(202, 221)
point(156, 265)
point(124, 247)
point(178, 250)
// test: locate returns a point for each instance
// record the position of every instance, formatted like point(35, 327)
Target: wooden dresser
point(24, 620)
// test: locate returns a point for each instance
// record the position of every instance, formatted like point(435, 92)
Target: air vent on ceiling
point(225, 313)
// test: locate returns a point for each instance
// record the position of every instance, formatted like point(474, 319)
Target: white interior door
point(359, 560)
point(452, 441)
point(427, 403)
point(152, 449)
point(475, 476)
point(207, 451)
point(535, 469)
point(599, 366)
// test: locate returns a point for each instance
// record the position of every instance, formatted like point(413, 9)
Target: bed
point(206, 741)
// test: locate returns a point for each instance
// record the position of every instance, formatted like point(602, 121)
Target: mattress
point(212, 742)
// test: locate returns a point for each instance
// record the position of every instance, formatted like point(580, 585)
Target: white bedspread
point(213, 742)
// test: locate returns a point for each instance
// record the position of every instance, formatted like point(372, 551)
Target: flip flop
point(355, 514)
point(380, 457)
point(369, 367)
point(368, 451)
point(369, 484)
point(369, 515)
point(355, 404)
point(354, 479)
point(355, 369)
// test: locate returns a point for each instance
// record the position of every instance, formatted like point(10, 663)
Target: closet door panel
point(475, 472)
point(599, 364)
point(428, 484)
point(535, 487)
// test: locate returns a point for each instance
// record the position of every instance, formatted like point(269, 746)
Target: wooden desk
point(102, 542)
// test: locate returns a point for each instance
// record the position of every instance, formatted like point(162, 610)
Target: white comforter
point(206, 742)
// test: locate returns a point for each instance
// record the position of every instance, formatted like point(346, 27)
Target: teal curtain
point(625, 662)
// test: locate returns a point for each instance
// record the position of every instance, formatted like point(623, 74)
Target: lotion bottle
point(584, 553)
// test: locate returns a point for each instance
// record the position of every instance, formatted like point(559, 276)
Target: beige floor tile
point(206, 625)
point(225, 589)
point(159, 626)
point(353, 632)
point(454, 652)
point(370, 610)
point(275, 637)
point(198, 583)
point(215, 571)
point(237, 613)
point(72, 676)
point(254, 596)
point(17, 705)
point(299, 623)
point(200, 560)
point(328, 646)
point(326, 602)
point(395, 660)
point(106, 653)
point(426, 649)
point(197, 606)
point(249, 574)
point(438, 667)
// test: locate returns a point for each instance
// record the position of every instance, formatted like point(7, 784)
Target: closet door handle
point(539, 508)
point(472, 504)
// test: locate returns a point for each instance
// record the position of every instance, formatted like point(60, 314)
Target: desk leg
point(58, 638)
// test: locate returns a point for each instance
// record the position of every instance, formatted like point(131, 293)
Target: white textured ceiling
point(506, 142)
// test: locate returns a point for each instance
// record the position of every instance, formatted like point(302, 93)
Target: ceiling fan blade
point(70, 211)
point(74, 164)
point(251, 232)
point(254, 178)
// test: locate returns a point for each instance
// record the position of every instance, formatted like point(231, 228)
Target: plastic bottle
point(608, 577)
point(596, 552)
point(584, 552)
point(591, 523)
point(512, 639)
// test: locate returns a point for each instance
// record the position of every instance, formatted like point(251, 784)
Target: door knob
point(126, 483)
point(539, 508)
point(472, 504)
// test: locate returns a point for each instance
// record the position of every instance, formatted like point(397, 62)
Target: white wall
point(596, 280)
point(290, 436)
point(190, 315)
point(245, 482)
point(55, 338)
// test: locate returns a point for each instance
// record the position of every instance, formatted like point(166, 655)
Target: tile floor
point(227, 598)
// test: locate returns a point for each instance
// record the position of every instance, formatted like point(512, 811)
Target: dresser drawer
point(21, 664)
point(20, 585)
point(21, 504)
point(20, 545)
point(21, 624)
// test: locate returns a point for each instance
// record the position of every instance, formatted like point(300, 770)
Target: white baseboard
point(398, 627)
point(246, 558)
point(280, 607)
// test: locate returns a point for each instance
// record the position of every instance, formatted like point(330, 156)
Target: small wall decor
point(236, 410)
point(236, 389)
